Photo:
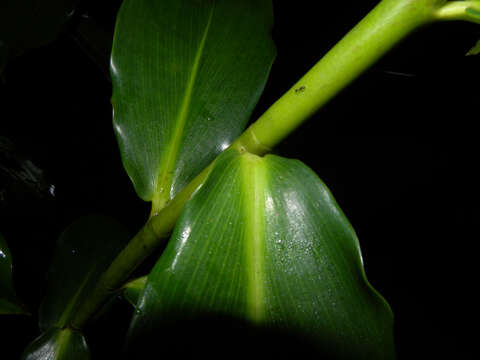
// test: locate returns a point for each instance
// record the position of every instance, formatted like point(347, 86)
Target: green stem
point(378, 32)
point(153, 233)
point(460, 10)
point(384, 27)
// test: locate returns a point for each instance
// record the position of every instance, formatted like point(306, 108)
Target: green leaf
point(264, 241)
point(8, 298)
point(58, 344)
point(26, 24)
point(132, 290)
point(186, 76)
point(474, 50)
point(84, 251)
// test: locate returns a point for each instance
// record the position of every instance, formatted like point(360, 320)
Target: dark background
point(398, 149)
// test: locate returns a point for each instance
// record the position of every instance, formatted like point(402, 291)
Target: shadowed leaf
point(26, 24)
point(84, 251)
point(8, 298)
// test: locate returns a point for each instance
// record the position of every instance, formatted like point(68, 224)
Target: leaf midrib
point(166, 172)
point(254, 237)
point(62, 340)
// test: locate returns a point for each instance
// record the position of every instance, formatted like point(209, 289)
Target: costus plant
point(249, 246)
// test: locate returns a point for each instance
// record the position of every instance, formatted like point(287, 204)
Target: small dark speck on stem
point(300, 89)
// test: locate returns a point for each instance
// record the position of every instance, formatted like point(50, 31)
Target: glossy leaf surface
point(264, 240)
point(26, 24)
point(83, 252)
point(57, 344)
point(186, 76)
point(8, 298)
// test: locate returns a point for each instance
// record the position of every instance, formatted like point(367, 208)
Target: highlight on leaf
point(264, 243)
point(261, 250)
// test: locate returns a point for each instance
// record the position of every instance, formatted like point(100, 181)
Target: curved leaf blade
point(84, 251)
point(197, 71)
point(264, 240)
point(58, 344)
point(8, 298)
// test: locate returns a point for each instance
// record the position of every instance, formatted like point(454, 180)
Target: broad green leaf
point(26, 24)
point(84, 251)
point(8, 298)
point(264, 241)
point(58, 344)
point(186, 76)
point(132, 290)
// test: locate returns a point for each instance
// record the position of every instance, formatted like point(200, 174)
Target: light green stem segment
point(153, 233)
point(460, 10)
point(377, 33)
